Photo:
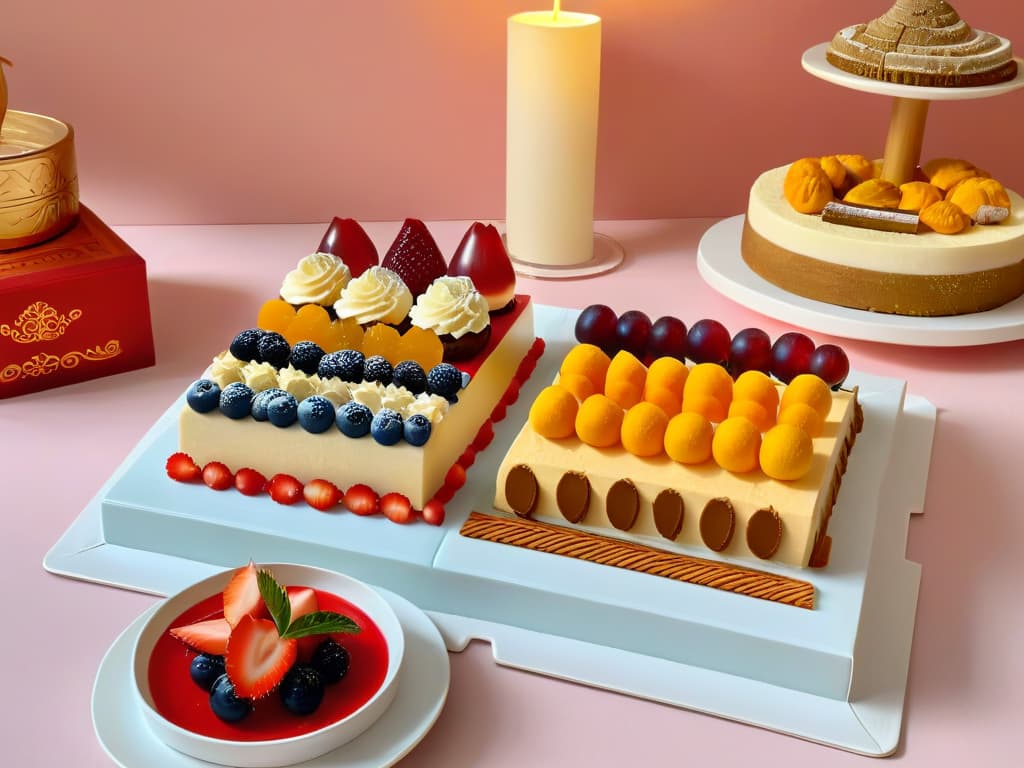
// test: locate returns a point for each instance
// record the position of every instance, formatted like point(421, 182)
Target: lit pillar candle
point(554, 76)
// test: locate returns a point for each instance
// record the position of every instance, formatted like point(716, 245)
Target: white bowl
point(276, 752)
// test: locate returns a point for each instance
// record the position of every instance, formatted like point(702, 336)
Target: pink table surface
point(964, 698)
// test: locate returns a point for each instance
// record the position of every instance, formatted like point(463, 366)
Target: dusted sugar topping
point(377, 295)
point(453, 306)
point(318, 279)
point(226, 369)
point(923, 42)
point(259, 376)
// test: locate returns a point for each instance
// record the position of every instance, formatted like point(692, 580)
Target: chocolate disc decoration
point(668, 513)
point(716, 524)
point(573, 496)
point(521, 490)
point(622, 504)
point(764, 533)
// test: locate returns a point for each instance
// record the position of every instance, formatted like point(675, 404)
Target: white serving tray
point(721, 264)
point(835, 675)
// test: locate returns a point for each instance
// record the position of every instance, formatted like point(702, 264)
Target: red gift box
point(72, 308)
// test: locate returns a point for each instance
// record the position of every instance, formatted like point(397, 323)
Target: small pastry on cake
point(317, 279)
point(457, 313)
point(376, 296)
point(923, 42)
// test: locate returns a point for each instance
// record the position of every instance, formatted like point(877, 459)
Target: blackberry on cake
point(244, 344)
point(306, 357)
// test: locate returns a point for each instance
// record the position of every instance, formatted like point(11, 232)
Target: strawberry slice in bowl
point(270, 705)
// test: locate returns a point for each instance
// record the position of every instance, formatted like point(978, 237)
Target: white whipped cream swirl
point(377, 295)
point(318, 279)
point(451, 305)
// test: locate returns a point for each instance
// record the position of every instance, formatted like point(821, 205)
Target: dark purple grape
point(829, 363)
point(708, 342)
point(632, 332)
point(751, 350)
point(791, 356)
point(667, 338)
point(596, 325)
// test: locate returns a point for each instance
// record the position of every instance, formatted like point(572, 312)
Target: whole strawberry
point(415, 257)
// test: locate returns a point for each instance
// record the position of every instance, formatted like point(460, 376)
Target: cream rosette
point(451, 306)
point(376, 296)
point(318, 279)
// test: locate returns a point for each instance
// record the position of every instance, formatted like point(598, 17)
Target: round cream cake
point(925, 274)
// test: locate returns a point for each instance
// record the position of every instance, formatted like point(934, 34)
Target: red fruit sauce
point(185, 704)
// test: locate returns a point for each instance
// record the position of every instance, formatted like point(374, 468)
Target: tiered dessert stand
point(722, 267)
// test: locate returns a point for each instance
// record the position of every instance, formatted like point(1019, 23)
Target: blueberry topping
point(417, 429)
point(203, 396)
point(283, 410)
point(273, 348)
point(445, 380)
point(346, 365)
point(236, 401)
point(244, 345)
point(409, 374)
point(225, 704)
point(306, 357)
point(205, 669)
point(354, 419)
point(331, 661)
point(262, 400)
point(378, 369)
point(465, 379)
point(302, 690)
point(386, 426)
point(316, 414)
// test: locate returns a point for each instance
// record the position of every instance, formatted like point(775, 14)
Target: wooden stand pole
point(906, 135)
point(3, 92)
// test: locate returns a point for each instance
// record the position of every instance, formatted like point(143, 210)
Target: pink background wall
point(231, 111)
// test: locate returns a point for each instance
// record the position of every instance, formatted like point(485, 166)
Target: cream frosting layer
point(416, 472)
point(802, 504)
point(377, 295)
point(318, 279)
point(453, 306)
point(979, 248)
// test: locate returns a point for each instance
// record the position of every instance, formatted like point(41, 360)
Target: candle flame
point(556, 9)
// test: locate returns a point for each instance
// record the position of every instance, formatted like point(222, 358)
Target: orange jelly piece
point(423, 346)
point(275, 315)
point(383, 340)
point(311, 323)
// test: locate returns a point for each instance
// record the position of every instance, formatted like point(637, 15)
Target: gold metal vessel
point(38, 179)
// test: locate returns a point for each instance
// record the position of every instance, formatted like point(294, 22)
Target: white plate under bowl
point(721, 264)
point(273, 752)
point(125, 737)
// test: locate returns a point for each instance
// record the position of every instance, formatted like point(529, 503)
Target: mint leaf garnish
point(320, 623)
point(276, 600)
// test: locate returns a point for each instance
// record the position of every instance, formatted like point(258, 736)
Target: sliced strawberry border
point(325, 496)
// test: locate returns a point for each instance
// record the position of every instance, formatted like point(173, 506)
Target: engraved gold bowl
point(38, 179)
